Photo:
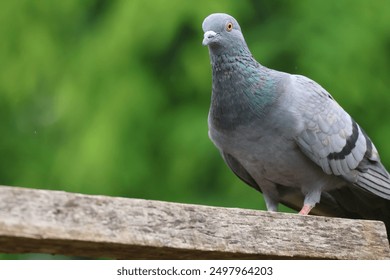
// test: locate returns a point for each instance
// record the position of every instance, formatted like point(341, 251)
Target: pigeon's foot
point(305, 209)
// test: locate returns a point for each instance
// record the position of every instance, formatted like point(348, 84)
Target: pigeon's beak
point(208, 37)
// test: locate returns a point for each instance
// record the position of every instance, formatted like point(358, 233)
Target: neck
point(241, 89)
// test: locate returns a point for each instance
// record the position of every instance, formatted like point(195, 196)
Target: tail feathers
point(375, 179)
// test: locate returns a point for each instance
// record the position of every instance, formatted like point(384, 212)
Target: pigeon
point(287, 137)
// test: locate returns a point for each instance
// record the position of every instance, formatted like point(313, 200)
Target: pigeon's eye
point(229, 26)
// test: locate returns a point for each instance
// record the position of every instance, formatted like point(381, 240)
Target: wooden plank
point(55, 222)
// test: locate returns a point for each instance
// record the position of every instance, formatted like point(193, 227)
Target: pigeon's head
point(222, 33)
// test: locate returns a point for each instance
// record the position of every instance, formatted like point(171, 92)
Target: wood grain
point(55, 222)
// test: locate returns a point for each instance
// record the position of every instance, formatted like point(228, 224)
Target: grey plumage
point(287, 137)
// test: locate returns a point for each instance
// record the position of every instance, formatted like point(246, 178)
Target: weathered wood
point(56, 222)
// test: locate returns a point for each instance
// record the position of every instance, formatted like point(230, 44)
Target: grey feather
point(287, 137)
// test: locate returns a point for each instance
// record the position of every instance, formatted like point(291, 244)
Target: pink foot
point(305, 209)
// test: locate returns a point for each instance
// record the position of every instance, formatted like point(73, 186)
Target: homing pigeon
point(287, 137)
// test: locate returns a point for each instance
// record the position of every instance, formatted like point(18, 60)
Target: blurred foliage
point(111, 97)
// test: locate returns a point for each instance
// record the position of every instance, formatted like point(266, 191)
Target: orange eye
point(229, 26)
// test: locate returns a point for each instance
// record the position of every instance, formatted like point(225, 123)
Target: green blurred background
point(111, 97)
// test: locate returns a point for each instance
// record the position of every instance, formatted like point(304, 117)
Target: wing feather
point(335, 142)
